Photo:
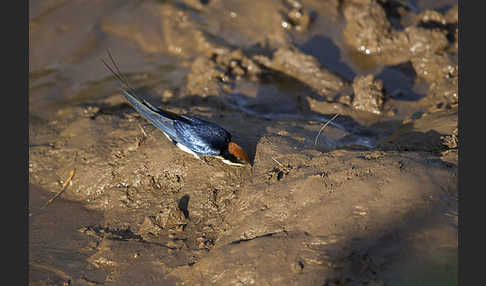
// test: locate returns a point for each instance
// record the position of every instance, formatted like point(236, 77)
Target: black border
point(16, 39)
point(471, 206)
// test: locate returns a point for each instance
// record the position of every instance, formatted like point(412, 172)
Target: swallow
point(190, 134)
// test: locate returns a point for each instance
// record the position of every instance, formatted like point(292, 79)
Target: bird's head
point(234, 155)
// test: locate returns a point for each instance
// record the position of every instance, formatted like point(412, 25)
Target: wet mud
point(371, 199)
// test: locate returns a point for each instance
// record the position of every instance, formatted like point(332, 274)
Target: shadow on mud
point(399, 254)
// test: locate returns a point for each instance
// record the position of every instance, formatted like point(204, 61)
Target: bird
point(193, 135)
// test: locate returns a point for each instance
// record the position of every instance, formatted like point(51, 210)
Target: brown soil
point(371, 201)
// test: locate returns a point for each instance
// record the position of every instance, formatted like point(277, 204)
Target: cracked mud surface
point(372, 200)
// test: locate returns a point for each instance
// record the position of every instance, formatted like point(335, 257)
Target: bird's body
point(188, 133)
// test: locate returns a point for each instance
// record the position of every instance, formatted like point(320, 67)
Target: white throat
point(229, 162)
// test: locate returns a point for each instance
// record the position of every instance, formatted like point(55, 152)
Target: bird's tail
point(129, 92)
point(160, 118)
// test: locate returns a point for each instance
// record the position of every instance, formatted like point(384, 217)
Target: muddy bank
point(369, 200)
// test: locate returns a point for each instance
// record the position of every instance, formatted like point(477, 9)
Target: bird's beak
point(238, 152)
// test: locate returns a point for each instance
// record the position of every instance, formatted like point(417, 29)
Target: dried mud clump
point(434, 67)
point(209, 76)
point(366, 24)
point(426, 132)
point(439, 69)
point(201, 78)
point(451, 144)
point(236, 66)
point(445, 22)
point(441, 73)
point(296, 17)
point(451, 141)
point(306, 69)
point(369, 32)
point(368, 94)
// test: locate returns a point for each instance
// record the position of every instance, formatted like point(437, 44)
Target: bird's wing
point(153, 115)
point(202, 137)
